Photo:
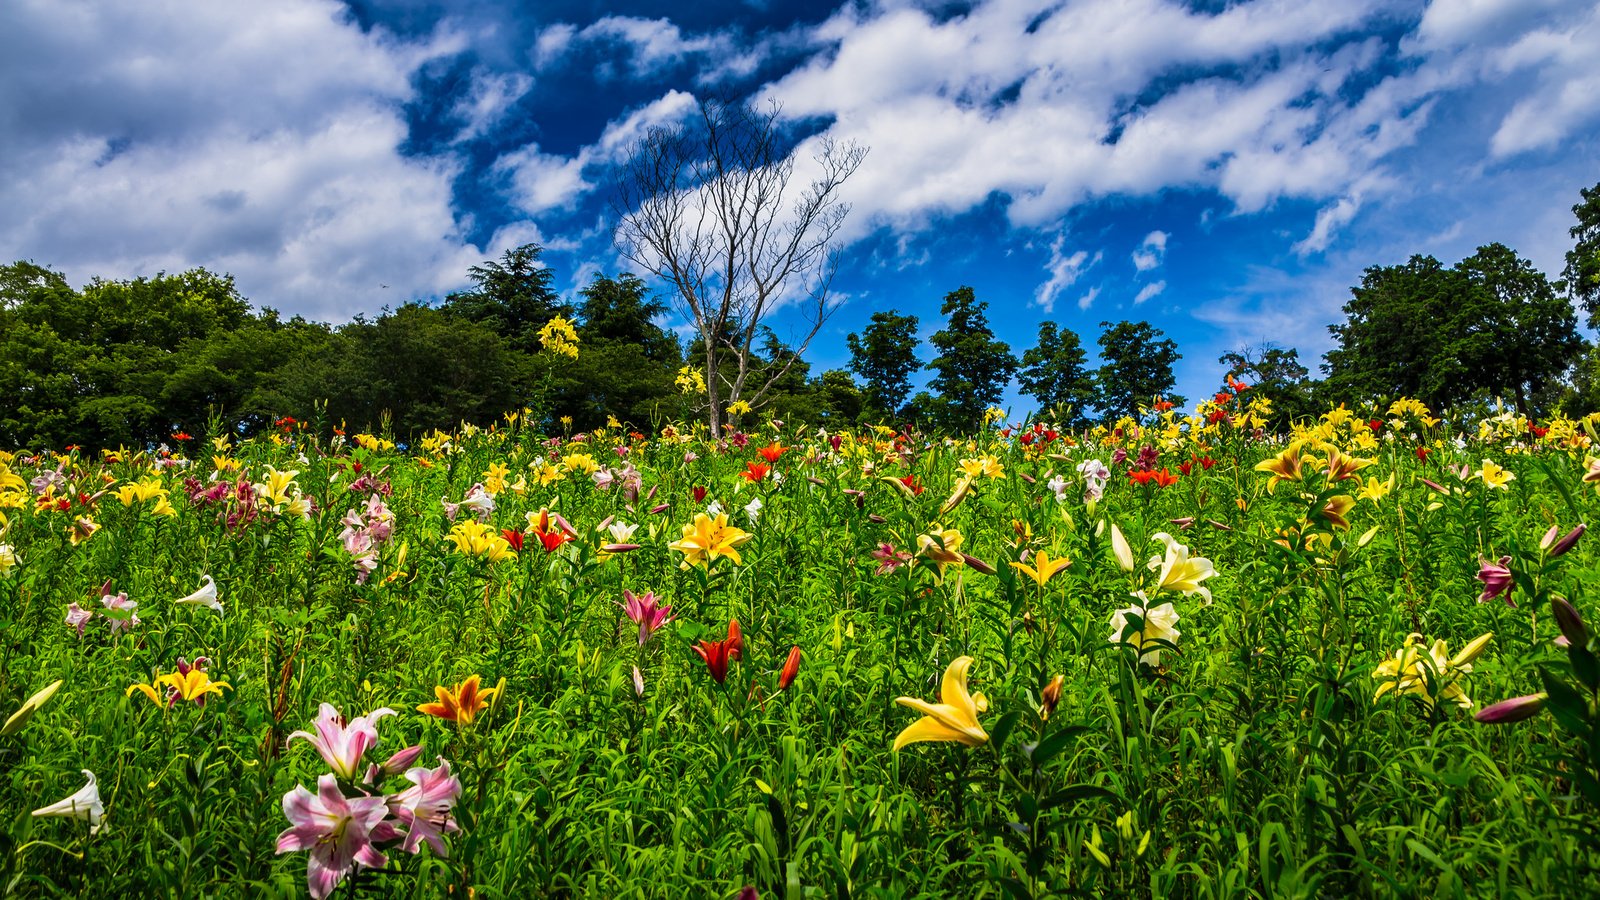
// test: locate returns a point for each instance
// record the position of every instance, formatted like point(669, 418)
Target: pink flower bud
point(1514, 710)
point(1568, 541)
point(1570, 623)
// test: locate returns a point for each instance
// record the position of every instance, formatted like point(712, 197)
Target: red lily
point(755, 471)
point(791, 668)
point(717, 654)
point(514, 538)
point(772, 451)
point(1164, 478)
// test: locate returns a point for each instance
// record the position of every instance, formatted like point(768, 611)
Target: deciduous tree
point(714, 210)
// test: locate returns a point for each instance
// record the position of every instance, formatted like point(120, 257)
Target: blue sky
point(1224, 170)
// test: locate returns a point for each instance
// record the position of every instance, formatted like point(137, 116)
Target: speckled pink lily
point(342, 745)
point(339, 831)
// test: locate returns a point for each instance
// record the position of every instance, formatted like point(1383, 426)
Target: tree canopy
point(1135, 368)
point(974, 368)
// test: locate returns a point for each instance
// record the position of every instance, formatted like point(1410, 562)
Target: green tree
point(1053, 373)
point(1519, 334)
point(428, 369)
point(1136, 367)
point(626, 362)
point(513, 297)
point(973, 367)
point(885, 354)
point(1490, 325)
point(1276, 375)
point(1582, 273)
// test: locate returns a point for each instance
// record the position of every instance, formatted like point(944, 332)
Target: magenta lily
point(1496, 580)
point(339, 831)
point(646, 611)
point(342, 745)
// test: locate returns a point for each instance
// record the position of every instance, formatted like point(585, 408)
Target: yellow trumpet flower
point(954, 718)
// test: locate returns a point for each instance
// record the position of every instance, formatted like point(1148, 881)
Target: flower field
point(1174, 657)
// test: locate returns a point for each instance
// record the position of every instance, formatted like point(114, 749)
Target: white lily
point(85, 804)
point(206, 596)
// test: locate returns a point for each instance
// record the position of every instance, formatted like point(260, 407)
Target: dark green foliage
point(1053, 373)
point(626, 362)
point(513, 297)
point(885, 354)
point(1491, 325)
point(973, 367)
point(1276, 374)
point(1582, 273)
point(1135, 369)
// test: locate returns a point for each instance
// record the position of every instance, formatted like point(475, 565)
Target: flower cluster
point(365, 529)
point(345, 823)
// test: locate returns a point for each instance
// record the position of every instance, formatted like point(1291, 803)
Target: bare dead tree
point(711, 208)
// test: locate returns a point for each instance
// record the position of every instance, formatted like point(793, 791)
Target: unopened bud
point(1050, 697)
point(1514, 710)
point(975, 563)
point(1568, 540)
point(1570, 623)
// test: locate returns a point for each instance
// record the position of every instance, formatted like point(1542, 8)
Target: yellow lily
point(708, 538)
point(1415, 671)
point(1337, 510)
point(1376, 490)
point(474, 538)
point(954, 718)
point(193, 685)
point(1341, 467)
point(942, 545)
point(988, 466)
point(1180, 572)
point(1495, 476)
point(1043, 569)
point(1283, 467)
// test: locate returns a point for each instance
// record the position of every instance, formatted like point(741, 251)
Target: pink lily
point(424, 808)
point(339, 831)
point(644, 609)
point(341, 745)
point(1496, 580)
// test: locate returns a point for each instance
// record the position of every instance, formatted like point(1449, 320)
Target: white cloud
point(1064, 268)
point(1153, 289)
point(652, 45)
point(1566, 97)
point(1087, 300)
point(540, 182)
point(172, 134)
point(1152, 250)
point(1031, 101)
point(1329, 220)
point(487, 101)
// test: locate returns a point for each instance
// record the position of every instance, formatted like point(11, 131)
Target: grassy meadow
point(1178, 657)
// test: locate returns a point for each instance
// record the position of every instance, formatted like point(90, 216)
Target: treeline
point(135, 362)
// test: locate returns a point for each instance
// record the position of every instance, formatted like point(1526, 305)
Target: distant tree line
point(134, 362)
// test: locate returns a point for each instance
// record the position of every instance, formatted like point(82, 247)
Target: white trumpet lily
point(206, 596)
point(85, 804)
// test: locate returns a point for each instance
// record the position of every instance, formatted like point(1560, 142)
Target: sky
point(1224, 170)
